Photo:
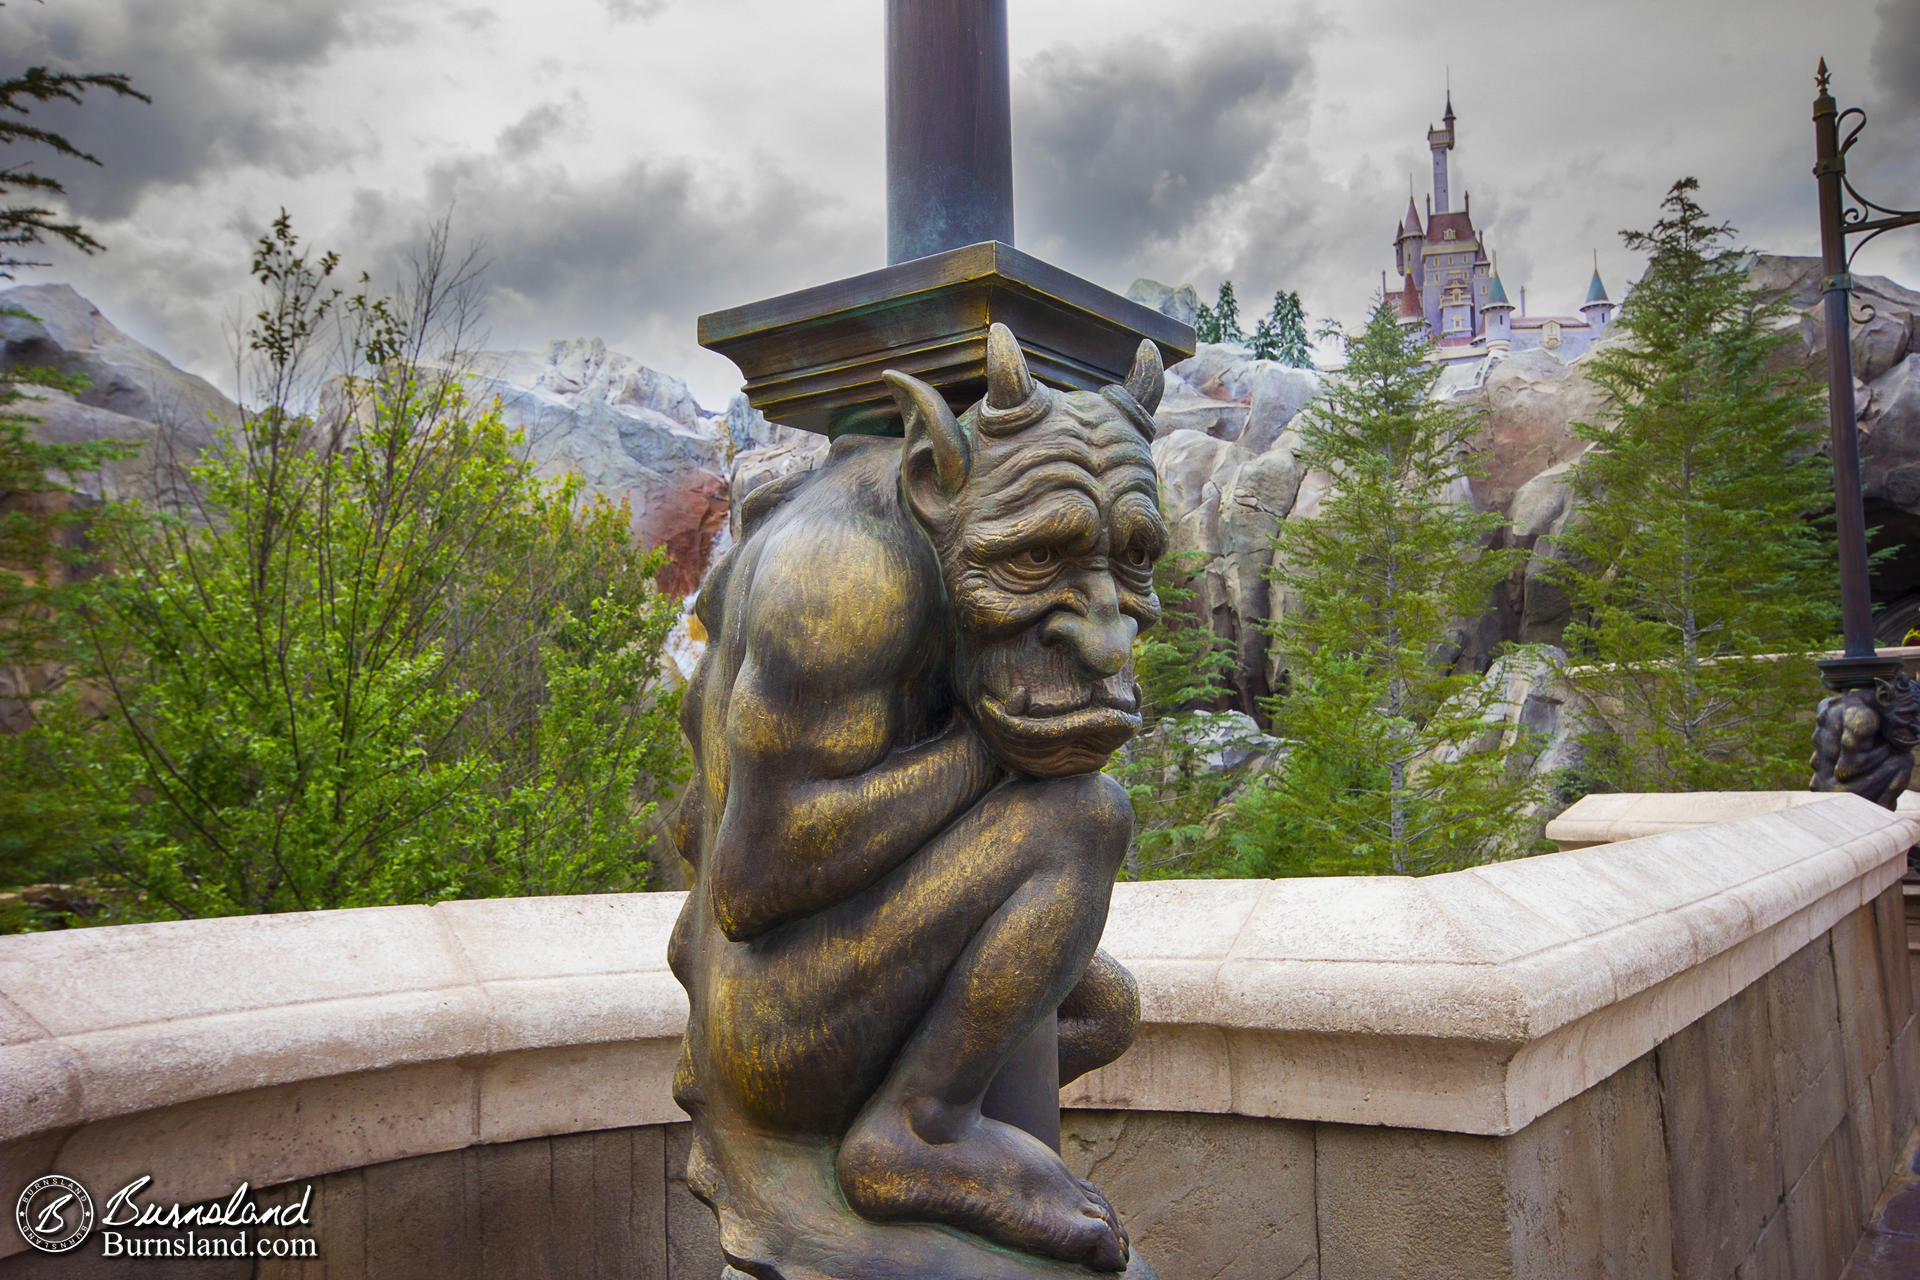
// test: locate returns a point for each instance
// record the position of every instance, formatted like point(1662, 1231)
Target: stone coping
point(276, 1047)
point(1605, 818)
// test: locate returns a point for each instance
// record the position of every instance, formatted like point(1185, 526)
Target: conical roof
point(1410, 308)
point(1496, 293)
point(1410, 225)
point(1597, 292)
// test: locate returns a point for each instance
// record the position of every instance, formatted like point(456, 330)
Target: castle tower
point(1407, 243)
point(1497, 313)
point(1411, 312)
point(1440, 141)
point(1598, 308)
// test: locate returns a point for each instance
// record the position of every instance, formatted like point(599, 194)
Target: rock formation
point(1226, 445)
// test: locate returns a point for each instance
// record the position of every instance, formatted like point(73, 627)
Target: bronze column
point(949, 126)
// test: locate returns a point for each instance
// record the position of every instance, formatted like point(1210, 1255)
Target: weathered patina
point(920, 657)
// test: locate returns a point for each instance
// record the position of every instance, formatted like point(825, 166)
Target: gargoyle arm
point(820, 802)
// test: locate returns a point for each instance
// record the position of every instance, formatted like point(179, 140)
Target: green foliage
point(1391, 762)
point(1282, 334)
point(1220, 322)
point(1168, 769)
point(380, 662)
point(43, 525)
point(1692, 553)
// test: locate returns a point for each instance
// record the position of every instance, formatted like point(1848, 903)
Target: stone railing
point(1696, 1049)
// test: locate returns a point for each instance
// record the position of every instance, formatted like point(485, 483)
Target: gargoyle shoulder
point(840, 600)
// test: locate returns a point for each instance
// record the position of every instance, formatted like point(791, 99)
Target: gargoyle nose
point(1099, 640)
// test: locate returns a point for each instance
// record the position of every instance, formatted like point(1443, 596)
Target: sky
point(625, 165)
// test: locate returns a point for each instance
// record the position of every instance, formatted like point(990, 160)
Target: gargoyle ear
point(1147, 380)
point(935, 458)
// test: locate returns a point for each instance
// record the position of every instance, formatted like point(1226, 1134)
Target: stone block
point(575, 1089)
point(1890, 929)
point(1865, 1035)
point(1823, 1210)
point(1724, 1178)
point(425, 1217)
point(1808, 1076)
point(1772, 1255)
point(1587, 1185)
point(1410, 1202)
point(693, 1238)
point(268, 1136)
point(1204, 1197)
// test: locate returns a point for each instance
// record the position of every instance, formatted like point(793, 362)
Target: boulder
point(1180, 303)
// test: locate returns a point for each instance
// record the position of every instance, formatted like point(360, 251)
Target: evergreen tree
point(1168, 768)
point(1691, 553)
point(1391, 763)
point(1281, 335)
point(1206, 325)
point(1288, 321)
point(43, 543)
point(1226, 315)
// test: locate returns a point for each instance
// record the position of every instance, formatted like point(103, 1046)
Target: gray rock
point(1279, 392)
point(1179, 303)
point(756, 467)
point(747, 428)
point(630, 433)
point(129, 379)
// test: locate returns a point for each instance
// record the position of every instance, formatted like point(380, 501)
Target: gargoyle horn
point(1147, 380)
point(1009, 384)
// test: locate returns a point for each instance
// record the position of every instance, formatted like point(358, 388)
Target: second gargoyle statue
point(920, 657)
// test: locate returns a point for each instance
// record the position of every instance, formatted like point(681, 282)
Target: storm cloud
point(224, 78)
point(1133, 142)
point(628, 164)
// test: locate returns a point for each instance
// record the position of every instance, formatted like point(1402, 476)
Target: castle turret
point(1440, 141)
point(1498, 314)
point(1598, 308)
point(1410, 312)
point(1406, 245)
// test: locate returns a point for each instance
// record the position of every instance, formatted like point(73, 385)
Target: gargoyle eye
point(1138, 557)
point(1034, 559)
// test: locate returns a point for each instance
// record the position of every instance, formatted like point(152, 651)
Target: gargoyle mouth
point(1090, 720)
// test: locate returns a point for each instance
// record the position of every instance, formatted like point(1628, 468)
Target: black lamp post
point(1864, 735)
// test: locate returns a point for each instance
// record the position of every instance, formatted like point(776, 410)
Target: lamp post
point(1864, 734)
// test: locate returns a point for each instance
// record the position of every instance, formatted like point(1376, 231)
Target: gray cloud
point(632, 10)
point(219, 75)
point(524, 136)
point(1896, 55)
point(634, 256)
point(1135, 142)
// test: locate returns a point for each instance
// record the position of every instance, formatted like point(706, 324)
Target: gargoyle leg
point(921, 1149)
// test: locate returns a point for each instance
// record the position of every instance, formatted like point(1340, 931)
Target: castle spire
point(1440, 141)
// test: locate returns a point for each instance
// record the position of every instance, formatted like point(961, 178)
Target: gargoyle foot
point(994, 1180)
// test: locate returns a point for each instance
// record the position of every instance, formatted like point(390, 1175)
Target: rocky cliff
point(1226, 446)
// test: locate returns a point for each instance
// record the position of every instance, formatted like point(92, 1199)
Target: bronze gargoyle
point(920, 656)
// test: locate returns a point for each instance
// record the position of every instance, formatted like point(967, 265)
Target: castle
point(1452, 286)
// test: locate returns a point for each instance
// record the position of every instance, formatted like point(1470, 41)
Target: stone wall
point(1691, 1055)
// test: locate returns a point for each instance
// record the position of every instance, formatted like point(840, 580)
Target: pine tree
point(1691, 553)
point(1183, 667)
point(1226, 315)
point(42, 543)
point(1391, 762)
point(1206, 325)
point(1288, 321)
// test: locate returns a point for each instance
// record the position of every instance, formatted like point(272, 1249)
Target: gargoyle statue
point(1863, 740)
point(920, 657)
